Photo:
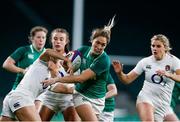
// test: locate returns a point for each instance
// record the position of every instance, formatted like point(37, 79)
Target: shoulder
point(21, 49)
point(27, 47)
point(105, 56)
point(173, 57)
point(146, 59)
point(110, 79)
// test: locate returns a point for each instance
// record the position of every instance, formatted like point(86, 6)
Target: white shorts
point(161, 110)
point(97, 104)
point(14, 101)
point(40, 97)
point(57, 101)
point(106, 116)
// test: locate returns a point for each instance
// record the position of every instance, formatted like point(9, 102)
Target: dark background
point(136, 22)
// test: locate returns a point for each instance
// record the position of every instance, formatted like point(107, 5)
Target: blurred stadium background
point(136, 22)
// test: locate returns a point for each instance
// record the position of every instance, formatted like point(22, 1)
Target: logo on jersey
point(167, 67)
point(16, 105)
point(158, 79)
point(148, 66)
point(31, 56)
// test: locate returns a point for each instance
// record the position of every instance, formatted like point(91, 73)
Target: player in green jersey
point(175, 95)
point(108, 113)
point(20, 60)
point(91, 83)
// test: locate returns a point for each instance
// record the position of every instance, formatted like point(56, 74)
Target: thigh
point(38, 101)
point(145, 111)
point(171, 117)
point(38, 104)
point(86, 112)
point(28, 113)
point(70, 114)
point(96, 104)
point(46, 113)
point(6, 110)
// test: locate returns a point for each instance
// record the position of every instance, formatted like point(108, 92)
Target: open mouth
point(57, 46)
point(155, 53)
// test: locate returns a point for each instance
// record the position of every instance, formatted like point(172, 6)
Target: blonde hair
point(162, 38)
point(105, 32)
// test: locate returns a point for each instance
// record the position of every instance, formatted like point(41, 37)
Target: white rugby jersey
point(154, 84)
point(31, 82)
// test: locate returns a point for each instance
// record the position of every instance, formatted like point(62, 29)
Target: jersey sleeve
point(100, 65)
point(176, 63)
point(18, 53)
point(139, 67)
point(110, 79)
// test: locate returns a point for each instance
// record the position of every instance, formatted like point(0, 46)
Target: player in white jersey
point(20, 102)
point(54, 102)
point(161, 71)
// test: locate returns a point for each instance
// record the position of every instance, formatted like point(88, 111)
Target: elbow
point(5, 65)
point(115, 92)
point(126, 82)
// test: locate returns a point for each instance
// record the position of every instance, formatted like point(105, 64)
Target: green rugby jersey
point(110, 102)
point(96, 87)
point(24, 56)
point(175, 95)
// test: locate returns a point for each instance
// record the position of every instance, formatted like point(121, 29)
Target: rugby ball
point(75, 57)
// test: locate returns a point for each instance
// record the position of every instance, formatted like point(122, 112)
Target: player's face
point(98, 45)
point(59, 41)
point(39, 40)
point(158, 49)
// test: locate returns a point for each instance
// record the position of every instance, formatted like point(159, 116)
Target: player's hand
point(52, 66)
point(118, 67)
point(163, 73)
point(26, 69)
point(70, 67)
point(49, 81)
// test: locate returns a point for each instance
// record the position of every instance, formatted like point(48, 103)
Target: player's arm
point(62, 88)
point(50, 53)
point(112, 91)
point(125, 78)
point(9, 64)
point(174, 76)
point(84, 76)
point(53, 68)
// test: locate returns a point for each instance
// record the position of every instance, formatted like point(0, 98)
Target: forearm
point(174, 77)
point(51, 54)
point(62, 88)
point(55, 54)
point(13, 68)
point(68, 79)
point(110, 94)
point(124, 78)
